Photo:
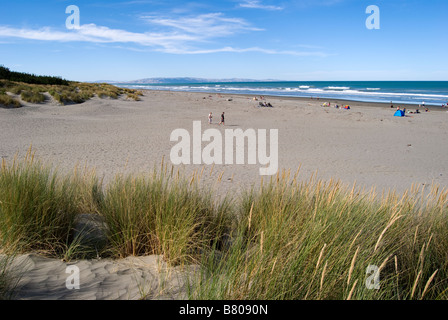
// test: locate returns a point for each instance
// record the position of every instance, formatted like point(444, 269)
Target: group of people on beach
point(417, 110)
point(336, 106)
point(262, 104)
point(265, 105)
point(210, 118)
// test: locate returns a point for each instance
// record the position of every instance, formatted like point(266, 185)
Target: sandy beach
point(365, 144)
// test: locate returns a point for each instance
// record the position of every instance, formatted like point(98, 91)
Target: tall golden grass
point(287, 238)
point(316, 239)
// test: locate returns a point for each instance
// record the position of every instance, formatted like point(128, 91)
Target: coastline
point(333, 101)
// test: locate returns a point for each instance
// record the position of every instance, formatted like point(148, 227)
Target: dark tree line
point(6, 74)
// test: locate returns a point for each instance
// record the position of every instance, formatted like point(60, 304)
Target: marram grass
point(286, 239)
point(165, 214)
point(316, 240)
point(73, 92)
point(38, 205)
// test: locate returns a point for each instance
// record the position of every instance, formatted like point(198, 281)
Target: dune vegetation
point(32, 88)
point(285, 239)
point(319, 240)
point(73, 93)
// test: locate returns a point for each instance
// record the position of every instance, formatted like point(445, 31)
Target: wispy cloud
point(256, 4)
point(210, 25)
point(254, 49)
point(94, 33)
point(183, 35)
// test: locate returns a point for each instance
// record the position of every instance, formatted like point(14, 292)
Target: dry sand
point(365, 144)
point(132, 278)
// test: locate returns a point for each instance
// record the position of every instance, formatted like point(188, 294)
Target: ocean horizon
point(429, 93)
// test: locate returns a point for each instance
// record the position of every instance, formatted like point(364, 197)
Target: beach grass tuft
point(32, 96)
point(317, 240)
point(162, 213)
point(38, 206)
point(7, 101)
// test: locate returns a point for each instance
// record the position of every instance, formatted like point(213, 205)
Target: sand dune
point(127, 279)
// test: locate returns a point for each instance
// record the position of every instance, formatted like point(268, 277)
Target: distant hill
point(182, 80)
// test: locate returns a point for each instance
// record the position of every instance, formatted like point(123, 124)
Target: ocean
point(434, 93)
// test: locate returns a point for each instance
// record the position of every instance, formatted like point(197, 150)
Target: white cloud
point(260, 50)
point(255, 4)
point(185, 35)
point(94, 33)
point(210, 25)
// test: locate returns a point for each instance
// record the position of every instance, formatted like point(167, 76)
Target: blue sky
point(257, 39)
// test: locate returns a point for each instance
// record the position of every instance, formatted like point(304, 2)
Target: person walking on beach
point(210, 117)
point(222, 119)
